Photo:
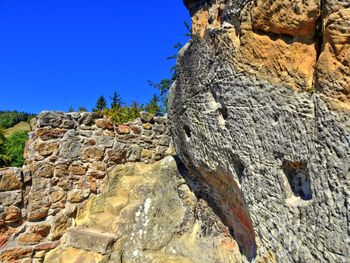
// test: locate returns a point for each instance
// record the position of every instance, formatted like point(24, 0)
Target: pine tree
point(82, 109)
point(116, 100)
point(153, 105)
point(101, 104)
point(71, 109)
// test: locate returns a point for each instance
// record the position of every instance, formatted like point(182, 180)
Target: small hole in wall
point(298, 179)
point(187, 131)
point(223, 111)
point(239, 167)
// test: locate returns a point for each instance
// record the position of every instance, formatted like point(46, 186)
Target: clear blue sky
point(60, 53)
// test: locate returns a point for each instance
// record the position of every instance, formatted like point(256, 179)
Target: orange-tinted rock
point(5, 233)
point(61, 170)
point(292, 63)
point(38, 214)
point(104, 124)
point(200, 22)
point(9, 179)
point(92, 154)
point(48, 134)
point(77, 169)
point(97, 170)
point(13, 214)
point(333, 67)
point(295, 18)
point(35, 234)
point(57, 194)
point(123, 129)
point(13, 254)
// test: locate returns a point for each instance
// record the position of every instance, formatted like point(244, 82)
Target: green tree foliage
point(82, 109)
point(153, 105)
point(10, 118)
point(101, 104)
point(116, 100)
point(164, 85)
point(4, 160)
point(15, 148)
point(71, 109)
point(122, 114)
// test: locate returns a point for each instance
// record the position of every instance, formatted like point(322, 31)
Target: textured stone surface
point(10, 179)
point(274, 162)
point(148, 213)
point(333, 67)
point(302, 45)
point(66, 160)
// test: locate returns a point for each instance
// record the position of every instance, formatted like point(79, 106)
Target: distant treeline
point(11, 118)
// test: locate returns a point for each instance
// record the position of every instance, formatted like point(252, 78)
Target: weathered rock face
point(273, 156)
point(147, 213)
point(302, 44)
point(93, 192)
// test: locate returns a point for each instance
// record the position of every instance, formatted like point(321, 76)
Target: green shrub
point(122, 114)
point(4, 160)
point(15, 148)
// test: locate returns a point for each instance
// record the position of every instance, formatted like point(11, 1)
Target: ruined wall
point(259, 114)
point(66, 161)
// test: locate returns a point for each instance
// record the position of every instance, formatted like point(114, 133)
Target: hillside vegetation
point(19, 127)
point(14, 128)
point(9, 119)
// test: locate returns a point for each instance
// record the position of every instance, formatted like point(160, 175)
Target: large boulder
point(262, 121)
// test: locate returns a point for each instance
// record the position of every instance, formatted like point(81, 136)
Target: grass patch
point(19, 127)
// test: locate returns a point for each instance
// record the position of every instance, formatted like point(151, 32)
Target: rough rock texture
point(147, 213)
point(302, 44)
point(66, 160)
point(273, 156)
point(92, 192)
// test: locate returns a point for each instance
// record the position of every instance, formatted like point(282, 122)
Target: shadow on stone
point(226, 200)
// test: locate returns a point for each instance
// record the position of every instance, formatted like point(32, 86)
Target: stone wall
point(66, 160)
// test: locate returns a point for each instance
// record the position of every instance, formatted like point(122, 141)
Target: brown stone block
point(61, 170)
point(77, 169)
point(13, 254)
point(38, 214)
point(48, 134)
point(123, 129)
point(12, 214)
point(5, 234)
point(46, 149)
point(104, 124)
point(44, 169)
point(35, 234)
point(92, 154)
point(117, 156)
point(10, 179)
point(135, 129)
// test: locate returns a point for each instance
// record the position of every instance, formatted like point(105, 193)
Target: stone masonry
point(66, 160)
